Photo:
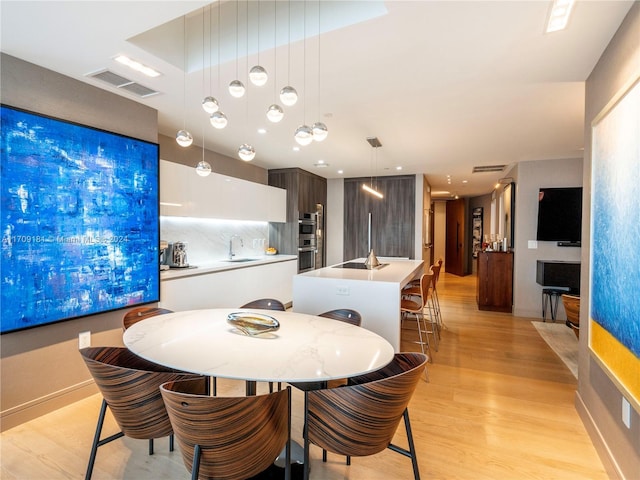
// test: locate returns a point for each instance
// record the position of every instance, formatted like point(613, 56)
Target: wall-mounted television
point(560, 215)
point(79, 220)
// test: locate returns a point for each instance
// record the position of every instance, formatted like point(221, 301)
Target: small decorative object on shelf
point(251, 323)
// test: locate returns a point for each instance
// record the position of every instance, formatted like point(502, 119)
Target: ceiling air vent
point(119, 81)
point(488, 168)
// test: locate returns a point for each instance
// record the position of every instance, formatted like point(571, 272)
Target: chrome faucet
point(231, 254)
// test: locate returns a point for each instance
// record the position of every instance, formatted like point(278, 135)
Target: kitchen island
point(374, 293)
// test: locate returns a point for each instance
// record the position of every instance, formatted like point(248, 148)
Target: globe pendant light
point(304, 135)
point(184, 138)
point(210, 104)
point(246, 152)
point(275, 113)
point(288, 96)
point(218, 120)
point(236, 88)
point(320, 131)
point(258, 76)
point(203, 168)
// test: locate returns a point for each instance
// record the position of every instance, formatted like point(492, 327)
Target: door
point(454, 248)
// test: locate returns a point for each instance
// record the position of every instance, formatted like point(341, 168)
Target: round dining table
point(305, 348)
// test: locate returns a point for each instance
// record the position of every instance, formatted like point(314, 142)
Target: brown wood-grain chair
point(414, 301)
point(344, 315)
point(266, 304)
point(130, 387)
point(138, 314)
point(229, 438)
point(572, 308)
point(361, 419)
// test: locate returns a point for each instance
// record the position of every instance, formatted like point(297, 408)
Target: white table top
point(305, 348)
point(395, 271)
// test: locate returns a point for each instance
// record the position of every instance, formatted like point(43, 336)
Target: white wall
point(531, 177)
point(334, 218)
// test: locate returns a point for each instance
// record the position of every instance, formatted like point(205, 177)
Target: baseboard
point(14, 416)
point(608, 461)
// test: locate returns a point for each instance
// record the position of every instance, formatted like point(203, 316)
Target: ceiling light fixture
point(304, 133)
point(246, 152)
point(375, 144)
point(203, 168)
point(218, 119)
point(559, 15)
point(183, 137)
point(275, 113)
point(288, 94)
point(236, 87)
point(319, 129)
point(209, 103)
point(258, 75)
point(137, 66)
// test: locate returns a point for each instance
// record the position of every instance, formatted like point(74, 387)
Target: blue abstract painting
point(80, 227)
point(615, 218)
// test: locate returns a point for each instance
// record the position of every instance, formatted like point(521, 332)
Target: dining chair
point(361, 419)
point(130, 388)
point(137, 314)
point(228, 438)
point(344, 315)
point(414, 301)
point(266, 304)
point(572, 308)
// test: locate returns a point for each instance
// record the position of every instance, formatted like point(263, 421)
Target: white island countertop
point(391, 270)
point(375, 293)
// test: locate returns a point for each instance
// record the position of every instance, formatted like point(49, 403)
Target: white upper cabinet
point(185, 194)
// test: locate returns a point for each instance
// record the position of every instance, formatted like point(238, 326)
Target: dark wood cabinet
point(495, 281)
point(393, 217)
point(304, 192)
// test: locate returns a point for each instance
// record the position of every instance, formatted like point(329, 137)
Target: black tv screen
point(80, 225)
point(560, 214)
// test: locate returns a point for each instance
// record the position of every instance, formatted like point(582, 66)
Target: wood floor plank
point(499, 406)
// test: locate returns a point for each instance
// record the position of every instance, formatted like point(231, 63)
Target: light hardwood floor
point(499, 405)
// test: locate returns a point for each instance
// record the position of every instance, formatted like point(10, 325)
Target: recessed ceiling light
point(398, 167)
point(559, 15)
point(262, 130)
point(137, 66)
point(340, 172)
point(296, 149)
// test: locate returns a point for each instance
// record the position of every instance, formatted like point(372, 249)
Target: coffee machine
point(175, 256)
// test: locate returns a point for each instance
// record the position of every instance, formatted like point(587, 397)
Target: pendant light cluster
point(258, 77)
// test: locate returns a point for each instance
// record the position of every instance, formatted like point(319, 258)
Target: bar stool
point(551, 296)
point(416, 308)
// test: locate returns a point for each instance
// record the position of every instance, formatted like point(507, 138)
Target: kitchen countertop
point(393, 270)
point(221, 266)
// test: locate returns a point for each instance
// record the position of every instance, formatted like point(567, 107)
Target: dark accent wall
point(393, 217)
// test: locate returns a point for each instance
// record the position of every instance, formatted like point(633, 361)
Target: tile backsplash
point(208, 239)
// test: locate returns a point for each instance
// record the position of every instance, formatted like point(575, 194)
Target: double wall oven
point(307, 241)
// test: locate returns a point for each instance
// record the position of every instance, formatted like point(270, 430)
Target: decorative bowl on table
point(251, 323)
point(271, 251)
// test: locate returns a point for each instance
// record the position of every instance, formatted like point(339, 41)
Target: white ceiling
point(444, 85)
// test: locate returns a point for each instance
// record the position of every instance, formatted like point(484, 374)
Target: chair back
point(130, 386)
point(572, 308)
point(435, 269)
point(362, 418)
point(265, 304)
point(344, 315)
point(137, 314)
point(238, 437)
